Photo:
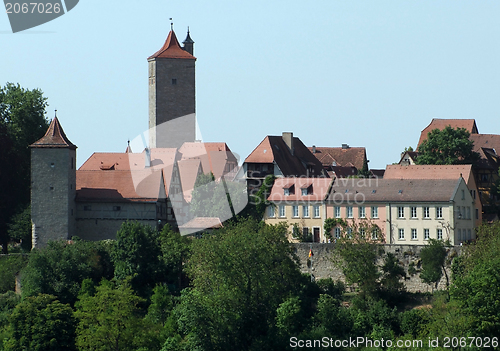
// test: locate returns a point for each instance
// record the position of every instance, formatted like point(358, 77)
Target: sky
point(364, 73)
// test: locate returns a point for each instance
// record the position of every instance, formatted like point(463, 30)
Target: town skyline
point(362, 74)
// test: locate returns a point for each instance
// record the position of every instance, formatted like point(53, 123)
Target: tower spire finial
point(171, 24)
point(55, 113)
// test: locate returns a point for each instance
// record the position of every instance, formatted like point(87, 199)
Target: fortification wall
point(323, 267)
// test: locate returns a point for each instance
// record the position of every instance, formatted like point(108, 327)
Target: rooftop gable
point(317, 189)
point(438, 123)
point(273, 149)
point(172, 49)
point(54, 137)
point(342, 157)
point(429, 172)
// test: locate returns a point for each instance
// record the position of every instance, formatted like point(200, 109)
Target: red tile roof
point(188, 171)
point(351, 156)
point(172, 49)
point(202, 223)
point(274, 149)
point(318, 189)
point(429, 172)
point(213, 156)
point(437, 123)
point(54, 137)
point(119, 186)
point(395, 190)
point(108, 163)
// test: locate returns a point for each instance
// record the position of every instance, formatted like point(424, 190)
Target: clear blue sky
point(365, 73)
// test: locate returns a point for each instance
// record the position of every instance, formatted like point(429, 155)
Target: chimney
point(288, 139)
point(147, 158)
point(345, 146)
point(314, 149)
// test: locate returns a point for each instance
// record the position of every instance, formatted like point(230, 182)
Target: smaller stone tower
point(53, 186)
point(172, 103)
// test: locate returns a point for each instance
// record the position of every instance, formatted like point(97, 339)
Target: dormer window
point(286, 191)
point(304, 191)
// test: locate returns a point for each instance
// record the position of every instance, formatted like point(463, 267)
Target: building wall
point(323, 267)
point(53, 190)
point(356, 220)
point(101, 220)
point(103, 229)
point(302, 221)
point(169, 101)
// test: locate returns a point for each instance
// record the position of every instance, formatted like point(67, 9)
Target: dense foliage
point(240, 288)
point(22, 122)
point(447, 147)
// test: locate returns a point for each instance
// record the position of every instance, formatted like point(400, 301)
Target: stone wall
point(323, 267)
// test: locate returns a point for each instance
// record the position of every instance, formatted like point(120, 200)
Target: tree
point(20, 229)
point(240, 276)
point(357, 256)
point(175, 252)
point(364, 171)
point(433, 258)
point(22, 122)
point(42, 323)
point(137, 254)
point(110, 320)
point(476, 289)
point(9, 267)
point(393, 272)
point(60, 268)
point(447, 147)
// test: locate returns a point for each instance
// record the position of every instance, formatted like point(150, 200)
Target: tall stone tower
point(172, 103)
point(53, 186)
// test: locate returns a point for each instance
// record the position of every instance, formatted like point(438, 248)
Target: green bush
point(9, 267)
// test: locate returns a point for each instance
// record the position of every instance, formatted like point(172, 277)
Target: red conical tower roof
point(172, 49)
point(54, 137)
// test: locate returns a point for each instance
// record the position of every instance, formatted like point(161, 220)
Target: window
point(295, 211)
point(282, 211)
point(477, 213)
point(401, 234)
point(286, 192)
point(362, 212)
point(337, 232)
point(413, 234)
point(270, 211)
point(117, 208)
point(468, 212)
point(460, 234)
point(362, 232)
point(305, 211)
point(337, 212)
point(427, 212)
point(469, 236)
point(87, 208)
point(401, 212)
point(316, 211)
point(349, 211)
point(305, 233)
point(440, 234)
point(463, 212)
point(413, 212)
point(174, 81)
point(375, 233)
point(463, 194)
point(484, 177)
point(426, 234)
point(439, 212)
point(349, 233)
point(304, 192)
point(374, 212)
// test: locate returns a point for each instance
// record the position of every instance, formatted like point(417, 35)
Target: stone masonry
point(323, 267)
